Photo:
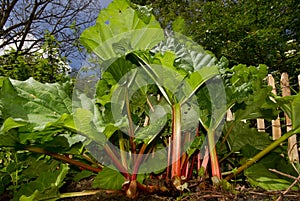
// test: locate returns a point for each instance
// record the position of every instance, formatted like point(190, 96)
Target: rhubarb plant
point(31, 113)
point(154, 107)
point(174, 67)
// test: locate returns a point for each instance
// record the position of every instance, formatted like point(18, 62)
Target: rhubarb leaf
point(109, 179)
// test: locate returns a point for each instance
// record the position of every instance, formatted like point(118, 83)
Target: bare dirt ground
point(196, 194)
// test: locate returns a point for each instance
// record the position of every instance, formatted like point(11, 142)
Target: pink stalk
point(187, 169)
point(116, 161)
point(185, 159)
point(176, 145)
point(190, 173)
point(213, 154)
point(169, 158)
point(205, 159)
point(138, 162)
point(199, 161)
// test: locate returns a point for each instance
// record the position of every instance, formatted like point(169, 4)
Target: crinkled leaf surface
point(34, 102)
point(176, 83)
point(258, 105)
point(241, 135)
point(189, 55)
point(121, 29)
point(243, 82)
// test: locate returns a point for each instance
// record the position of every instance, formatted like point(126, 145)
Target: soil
point(197, 193)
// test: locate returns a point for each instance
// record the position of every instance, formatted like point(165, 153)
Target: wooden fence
point(277, 127)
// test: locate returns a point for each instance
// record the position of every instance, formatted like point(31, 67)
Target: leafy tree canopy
point(248, 32)
point(44, 65)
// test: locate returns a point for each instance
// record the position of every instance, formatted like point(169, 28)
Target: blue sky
point(75, 62)
point(105, 3)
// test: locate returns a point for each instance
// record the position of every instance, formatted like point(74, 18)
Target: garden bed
point(199, 192)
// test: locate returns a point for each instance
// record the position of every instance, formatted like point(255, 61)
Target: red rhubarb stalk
point(116, 161)
point(176, 145)
point(213, 154)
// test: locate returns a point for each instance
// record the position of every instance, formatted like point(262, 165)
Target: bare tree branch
point(22, 20)
point(6, 9)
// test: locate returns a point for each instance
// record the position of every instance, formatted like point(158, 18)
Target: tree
point(248, 32)
point(63, 19)
point(44, 65)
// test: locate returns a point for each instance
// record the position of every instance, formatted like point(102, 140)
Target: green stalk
point(169, 157)
point(176, 145)
point(122, 149)
point(79, 194)
point(153, 76)
point(261, 154)
point(215, 168)
point(131, 128)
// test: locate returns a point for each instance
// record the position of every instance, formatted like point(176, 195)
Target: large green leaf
point(85, 126)
point(244, 82)
point(109, 179)
point(89, 124)
point(157, 162)
point(45, 187)
point(9, 137)
point(33, 102)
point(242, 90)
point(117, 77)
point(180, 67)
point(212, 103)
point(196, 79)
point(260, 175)
point(158, 122)
point(242, 135)
point(121, 29)
point(291, 106)
point(296, 112)
point(258, 105)
point(190, 56)
point(10, 123)
point(176, 83)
